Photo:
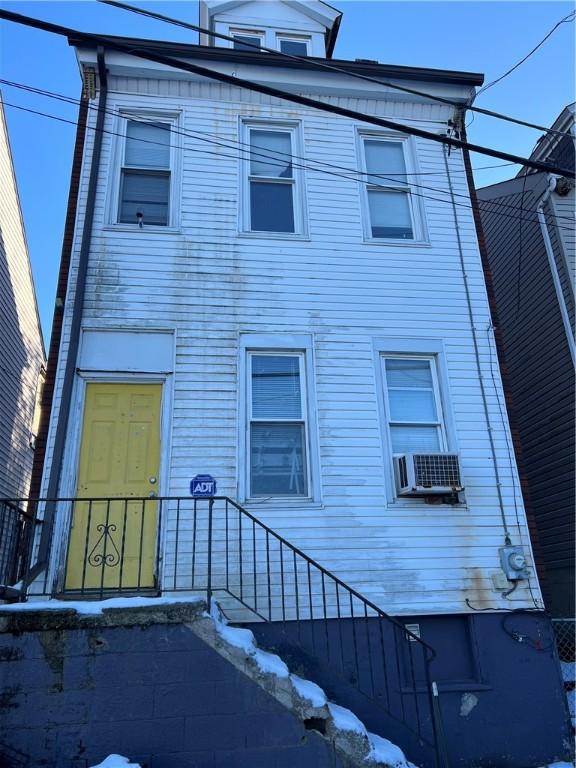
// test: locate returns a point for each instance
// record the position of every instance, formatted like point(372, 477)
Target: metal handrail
point(202, 531)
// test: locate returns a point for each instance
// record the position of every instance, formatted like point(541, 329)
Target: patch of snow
point(346, 720)
point(244, 639)
point(383, 751)
point(560, 765)
point(94, 607)
point(568, 671)
point(571, 696)
point(116, 761)
point(309, 691)
point(269, 662)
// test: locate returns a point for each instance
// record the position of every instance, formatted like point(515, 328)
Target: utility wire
point(570, 17)
point(296, 165)
point(270, 154)
point(273, 155)
point(178, 64)
point(74, 100)
point(323, 65)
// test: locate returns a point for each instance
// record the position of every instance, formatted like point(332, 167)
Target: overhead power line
point(273, 155)
point(568, 18)
point(178, 64)
point(330, 67)
point(219, 155)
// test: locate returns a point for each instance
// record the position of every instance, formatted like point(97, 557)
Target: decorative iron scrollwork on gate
point(105, 552)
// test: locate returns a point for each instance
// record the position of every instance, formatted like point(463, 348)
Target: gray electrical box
point(513, 562)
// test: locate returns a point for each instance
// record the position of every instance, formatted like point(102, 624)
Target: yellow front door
point(112, 543)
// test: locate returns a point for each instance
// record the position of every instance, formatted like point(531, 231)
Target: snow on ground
point(568, 671)
point(92, 607)
point(560, 765)
point(385, 752)
point(116, 761)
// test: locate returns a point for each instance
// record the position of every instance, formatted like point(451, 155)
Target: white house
point(21, 365)
point(293, 303)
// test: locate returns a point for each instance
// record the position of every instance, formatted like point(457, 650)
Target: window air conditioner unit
point(426, 474)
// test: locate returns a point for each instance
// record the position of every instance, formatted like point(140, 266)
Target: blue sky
point(487, 37)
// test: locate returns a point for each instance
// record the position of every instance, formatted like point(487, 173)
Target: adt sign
point(203, 486)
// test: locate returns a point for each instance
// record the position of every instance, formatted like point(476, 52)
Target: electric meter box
point(513, 562)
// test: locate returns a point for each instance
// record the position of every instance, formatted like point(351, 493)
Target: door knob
point(152, 480)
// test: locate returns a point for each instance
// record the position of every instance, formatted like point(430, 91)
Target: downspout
point(553, 268)
point(75, 328)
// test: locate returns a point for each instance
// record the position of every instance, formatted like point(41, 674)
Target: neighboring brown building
point(531, 250)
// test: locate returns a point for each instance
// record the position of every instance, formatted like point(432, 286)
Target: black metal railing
point(15, 529)
point(215, 548)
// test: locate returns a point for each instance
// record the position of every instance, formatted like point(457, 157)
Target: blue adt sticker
point(203, 485)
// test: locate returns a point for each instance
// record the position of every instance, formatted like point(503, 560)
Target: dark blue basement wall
point(155, 694)
point(501, 691)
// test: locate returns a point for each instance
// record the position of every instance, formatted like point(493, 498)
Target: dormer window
point(294, 46)
point(246, 40)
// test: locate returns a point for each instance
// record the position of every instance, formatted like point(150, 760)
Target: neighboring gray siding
point(563, 209)
point(21, 351)
point(538, 361)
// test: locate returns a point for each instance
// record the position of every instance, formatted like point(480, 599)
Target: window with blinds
point(277, 429)
point(145, 176)
point(390, 208)
point(413, 405)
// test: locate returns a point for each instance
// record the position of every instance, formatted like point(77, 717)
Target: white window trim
point(171, 117)
point(298, 183)
point(287, 344)
point(248, 32)
point(431, 349)
point(270, 38)
point(283, 36)
point(417, 210)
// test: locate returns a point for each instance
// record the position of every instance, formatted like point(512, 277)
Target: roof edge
point(454, 77)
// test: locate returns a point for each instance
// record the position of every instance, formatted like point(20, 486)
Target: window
point(272, 200)
point(244, 41)
point(391, 210)
point(277, 425)
point(145, 176)
point(413, 404)
point(293, 46)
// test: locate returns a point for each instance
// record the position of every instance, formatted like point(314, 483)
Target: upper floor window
point(245, 40)
point(146, 174)
point(273, 187)
point(391, 211)
point(413, 404)
point(294, 46)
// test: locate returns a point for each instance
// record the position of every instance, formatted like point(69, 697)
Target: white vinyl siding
point(277, 430)
point(21, 349)
point(214, 288)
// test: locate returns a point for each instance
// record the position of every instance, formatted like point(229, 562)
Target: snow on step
point(342, 726)
point(116, 761)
